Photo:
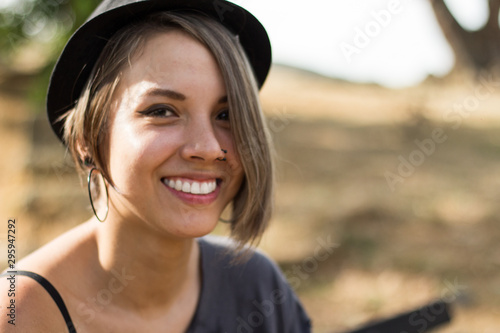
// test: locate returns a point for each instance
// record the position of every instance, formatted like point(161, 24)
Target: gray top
point(249, 297)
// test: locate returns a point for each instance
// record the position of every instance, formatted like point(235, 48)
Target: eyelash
point(164, 111)
point(224, 111)
point(159, 111)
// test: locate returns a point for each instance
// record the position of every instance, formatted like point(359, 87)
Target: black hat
point(76, 62)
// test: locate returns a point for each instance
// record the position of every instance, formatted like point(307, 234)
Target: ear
point(84, 155)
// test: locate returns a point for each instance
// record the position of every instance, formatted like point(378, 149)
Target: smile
point(192, 187)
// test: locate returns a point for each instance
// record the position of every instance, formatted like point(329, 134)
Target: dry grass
point(398, 248)
point(435, 234)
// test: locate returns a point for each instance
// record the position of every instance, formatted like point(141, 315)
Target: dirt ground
point(405, 182)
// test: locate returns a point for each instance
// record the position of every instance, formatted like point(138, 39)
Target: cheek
point(135, 154)
point(235, 167)
point(237, 164)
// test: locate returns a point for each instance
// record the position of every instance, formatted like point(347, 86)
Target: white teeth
point(204, 188)
point(193, 187)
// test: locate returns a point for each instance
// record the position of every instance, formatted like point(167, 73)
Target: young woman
point(157, 101)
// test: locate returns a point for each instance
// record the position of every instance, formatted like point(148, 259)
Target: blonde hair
point(86, 125)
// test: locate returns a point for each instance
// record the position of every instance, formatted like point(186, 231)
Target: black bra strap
point(53, 293)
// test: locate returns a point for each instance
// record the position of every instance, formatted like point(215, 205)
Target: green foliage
point(43, 20)
point(48, 23)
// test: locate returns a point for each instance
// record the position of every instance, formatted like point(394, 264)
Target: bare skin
point(140, 269)
point(101, 302)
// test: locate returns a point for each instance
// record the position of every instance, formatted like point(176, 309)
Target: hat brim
point(78, 58)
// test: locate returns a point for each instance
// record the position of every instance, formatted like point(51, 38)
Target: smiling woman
point(157, 101)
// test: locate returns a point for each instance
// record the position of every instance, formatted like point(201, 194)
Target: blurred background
point(385, 117)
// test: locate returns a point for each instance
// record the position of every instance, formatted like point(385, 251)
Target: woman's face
point(167, 126)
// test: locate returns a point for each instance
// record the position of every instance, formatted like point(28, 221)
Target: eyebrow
point(166, 93)
point(175, 95)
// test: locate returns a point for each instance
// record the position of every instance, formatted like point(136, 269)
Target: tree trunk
point(477, 50)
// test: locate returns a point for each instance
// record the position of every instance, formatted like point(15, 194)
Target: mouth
point(192, 186)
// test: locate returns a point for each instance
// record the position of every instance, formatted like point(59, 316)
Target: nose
point(201, 143)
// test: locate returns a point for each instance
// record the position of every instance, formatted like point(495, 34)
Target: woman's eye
point(223, 115)
point(161, 111)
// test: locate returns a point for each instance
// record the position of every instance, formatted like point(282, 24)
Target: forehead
point(173, 60)
point(163, 52)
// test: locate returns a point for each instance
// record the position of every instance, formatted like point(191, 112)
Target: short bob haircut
point(85, 126)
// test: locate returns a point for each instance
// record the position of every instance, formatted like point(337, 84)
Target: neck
point(154, 270)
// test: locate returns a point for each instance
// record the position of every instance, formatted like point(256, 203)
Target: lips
point(191, 186)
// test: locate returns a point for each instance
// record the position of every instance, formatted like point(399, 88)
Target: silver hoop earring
point(89, 181)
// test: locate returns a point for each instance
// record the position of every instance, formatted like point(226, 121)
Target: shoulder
point(255, 286)
point(247, 264)
point(62, 252)
point(27, 307)
point(34, 309)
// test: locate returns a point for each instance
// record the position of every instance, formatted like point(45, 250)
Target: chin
point(196, 229)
